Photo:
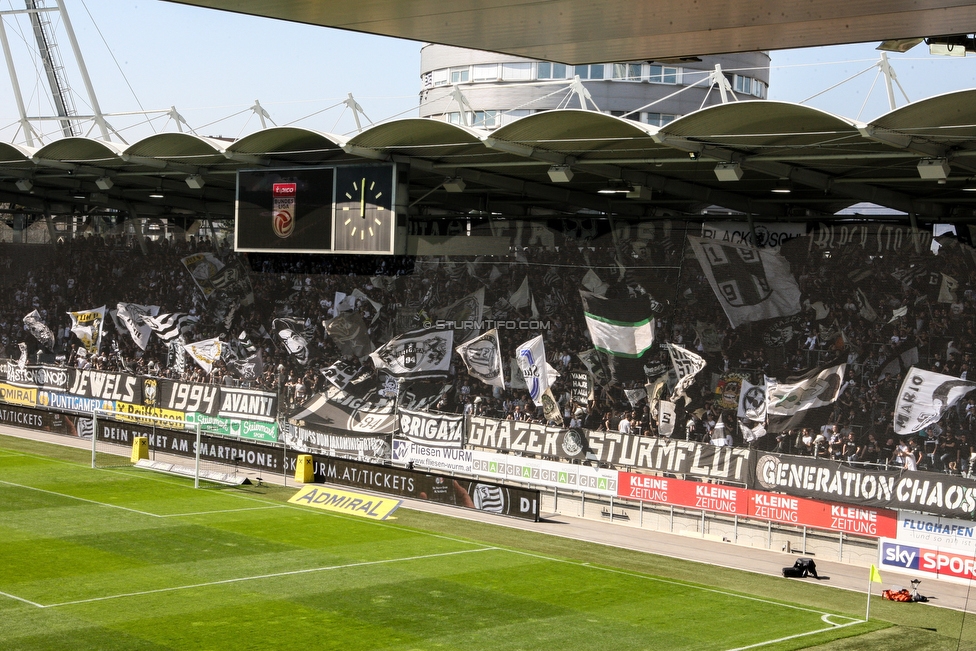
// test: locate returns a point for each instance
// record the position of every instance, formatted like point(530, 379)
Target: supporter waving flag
point(133, 317)
point(416, 355)
point(350, 334)
point(623, 328)
point(39, 329)
point(751, 284)
point(87, 326)
point(807, 399)
point(171, 326)
point(686, 366)
point(295, 336)
point(205, 352)
point(536, 371)
point(482, 357)
point(924, 397)
point(465, 314)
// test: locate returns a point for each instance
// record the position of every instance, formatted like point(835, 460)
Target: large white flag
point(482, 357)
point(87, 326)
point(205, 352)
point(416, 355)
point(814, 390)
point(536, 371)
point(686, 366)
point(665, 417)
point(133, 317)
point(751, 284)
point(752, 401)
point(925, 397)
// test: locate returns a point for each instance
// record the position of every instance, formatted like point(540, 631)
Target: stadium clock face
point(364, 215)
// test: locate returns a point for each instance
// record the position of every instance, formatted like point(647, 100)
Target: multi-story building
point(488, 90)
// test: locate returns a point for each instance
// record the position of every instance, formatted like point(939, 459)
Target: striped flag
point(170, 326)
point(623, 328)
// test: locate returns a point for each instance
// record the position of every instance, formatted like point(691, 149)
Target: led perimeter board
point(335, 209)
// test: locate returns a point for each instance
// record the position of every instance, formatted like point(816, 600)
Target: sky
point(212, 66)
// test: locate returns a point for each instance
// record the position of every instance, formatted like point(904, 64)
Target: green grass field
point(128, 559)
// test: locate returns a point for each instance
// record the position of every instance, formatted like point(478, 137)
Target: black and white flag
point(172, 325)
point(635, 396)
point(294, 335)
point(686, 366)
point(666, 417)
point(925, 397)
point(415, 355)
point(465, 315)
point(39, 329)
point(349, 332)
point(598, 366)
point(482, 357)
point(751, 284)
point(247, 368)
point(133, 317)
point(752, 401)
point(175, 357)
point(813, 390)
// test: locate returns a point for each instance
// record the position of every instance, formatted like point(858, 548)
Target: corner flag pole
point(874, 577)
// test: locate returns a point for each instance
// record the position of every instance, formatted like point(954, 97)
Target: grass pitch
point(127, 559)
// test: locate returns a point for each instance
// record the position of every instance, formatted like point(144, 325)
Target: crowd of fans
point(854, 302)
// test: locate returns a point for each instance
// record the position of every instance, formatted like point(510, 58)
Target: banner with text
point(760, 505)
point(443, 430)
point(933, 493)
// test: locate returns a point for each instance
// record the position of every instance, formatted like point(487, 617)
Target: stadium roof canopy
point(583, 31)
point(919, 160)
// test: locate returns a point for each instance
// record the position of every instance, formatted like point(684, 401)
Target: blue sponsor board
point(71, 402)
point(898, 556)
point(401, 450)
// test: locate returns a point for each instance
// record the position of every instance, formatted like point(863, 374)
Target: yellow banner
point(18, 396)
point(133, 413)
point(332, 499)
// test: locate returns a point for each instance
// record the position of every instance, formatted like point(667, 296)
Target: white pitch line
point(668, 581)
point(21, 599)
point(304, 509)
point(823, 615)
point(264, 576)
point(833, 627)
point(81, 499)
point(250, 508)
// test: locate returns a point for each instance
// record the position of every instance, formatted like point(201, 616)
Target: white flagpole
point(867, 612)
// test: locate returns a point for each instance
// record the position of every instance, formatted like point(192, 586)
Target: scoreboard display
point(336, 209)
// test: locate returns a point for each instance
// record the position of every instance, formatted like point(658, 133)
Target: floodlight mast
point(53, 68)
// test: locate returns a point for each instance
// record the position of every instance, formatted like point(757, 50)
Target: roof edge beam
point(901, 141)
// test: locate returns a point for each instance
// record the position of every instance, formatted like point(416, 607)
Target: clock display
point(364, 219)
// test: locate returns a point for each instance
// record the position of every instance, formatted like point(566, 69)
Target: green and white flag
point(619, 327)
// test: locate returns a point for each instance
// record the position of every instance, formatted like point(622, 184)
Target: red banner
point(800, 511)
